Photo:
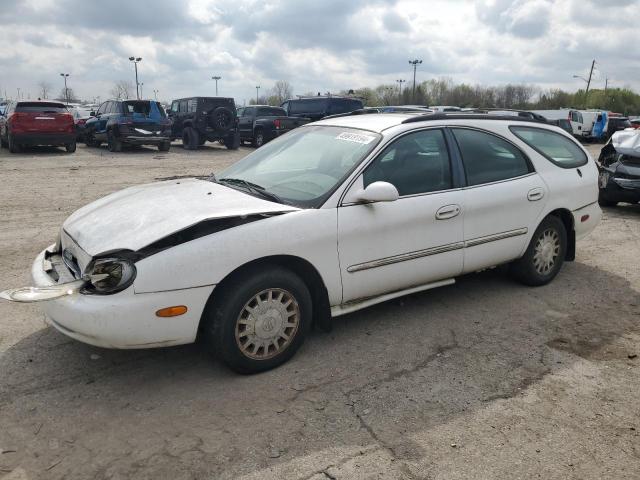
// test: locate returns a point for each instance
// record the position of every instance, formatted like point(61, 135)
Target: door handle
point(448, 211)
point(535, 194)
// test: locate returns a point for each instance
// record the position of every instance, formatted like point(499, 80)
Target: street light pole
point(66, 90)
point(400, 82)
point(216, 78)
point(18, 93)
point(141, 95)
point(135, 61)
point(257, 94)
point(155, 94)
point(415, 64)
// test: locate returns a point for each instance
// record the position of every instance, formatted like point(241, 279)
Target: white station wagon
point(333, 217)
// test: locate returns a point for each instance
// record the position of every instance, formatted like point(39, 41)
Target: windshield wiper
point(252, 187)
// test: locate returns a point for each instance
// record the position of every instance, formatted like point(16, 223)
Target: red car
point(29, 123)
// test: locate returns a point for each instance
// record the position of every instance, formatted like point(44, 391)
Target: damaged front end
point(56, 275)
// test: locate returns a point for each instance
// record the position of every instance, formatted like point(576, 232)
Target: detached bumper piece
point(60, 282)
point(40, 294)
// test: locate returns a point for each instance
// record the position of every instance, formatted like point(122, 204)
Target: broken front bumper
point(123, 320)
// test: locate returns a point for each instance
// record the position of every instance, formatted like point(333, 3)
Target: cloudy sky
point(317, 45)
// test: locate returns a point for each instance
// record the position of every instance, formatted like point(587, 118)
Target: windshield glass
point(304, 166)
point(143, 107)
point(308, 106)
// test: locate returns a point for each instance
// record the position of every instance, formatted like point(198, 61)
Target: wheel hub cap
point(546, 251)
point(267, 324)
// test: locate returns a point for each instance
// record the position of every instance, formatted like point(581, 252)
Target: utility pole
point(135, 61)
point(18, 93)
point(155, 94)
point(415, 64)
point(216, 78)
point(400, 82)
point(257, 97)
point(586, 93)
point(66, 90)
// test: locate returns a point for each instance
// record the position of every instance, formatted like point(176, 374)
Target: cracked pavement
point(483, 379)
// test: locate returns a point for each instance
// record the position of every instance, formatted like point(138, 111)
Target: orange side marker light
point(174, 311)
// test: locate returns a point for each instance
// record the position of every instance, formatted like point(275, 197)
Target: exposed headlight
point(109, 275)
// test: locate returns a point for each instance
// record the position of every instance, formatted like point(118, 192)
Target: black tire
point(190, 138)
point(3, 143)
point(222, 314)
point(258, 138)
point(604, 202)
point(531, 269)
point(202, 141)
point(13, 146)
point(113, 143)
point(221, 120)
point(70, 147)
point(232, 141)
point(90, 140)
point(164, 146)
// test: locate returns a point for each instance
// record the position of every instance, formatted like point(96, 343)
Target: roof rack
point(360, 111)
point(476, 116)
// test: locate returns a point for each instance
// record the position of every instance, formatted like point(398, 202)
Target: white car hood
point(137, 216)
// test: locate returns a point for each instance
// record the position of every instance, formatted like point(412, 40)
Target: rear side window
point(488, 158)
point(556, 148)
point(49, 107)
point(308, 106)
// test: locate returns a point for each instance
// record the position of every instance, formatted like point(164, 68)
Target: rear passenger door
point(503, 198)
point(245, 122)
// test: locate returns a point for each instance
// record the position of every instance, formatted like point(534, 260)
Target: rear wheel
point(13, 146)
point(604, 202)
point(544, 256)
point(258, 321)
point(232, 141)
point(258, 138)
point(70, 147)
point(190, 138)
point(164, 146)
point(113, 143)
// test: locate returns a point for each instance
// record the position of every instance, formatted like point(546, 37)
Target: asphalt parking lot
point(484, 379)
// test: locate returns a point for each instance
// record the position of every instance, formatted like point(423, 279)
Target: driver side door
point(418, 238)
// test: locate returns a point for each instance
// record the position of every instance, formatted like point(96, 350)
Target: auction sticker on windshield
point(356, 137)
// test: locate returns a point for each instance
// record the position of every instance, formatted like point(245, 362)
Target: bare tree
point(44, 89)
point(67, 95)
point(122, 90)
point(281, 91)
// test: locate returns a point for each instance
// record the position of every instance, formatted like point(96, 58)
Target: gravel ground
point(484, 379)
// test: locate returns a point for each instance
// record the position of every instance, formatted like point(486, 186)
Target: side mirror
point(379, 192)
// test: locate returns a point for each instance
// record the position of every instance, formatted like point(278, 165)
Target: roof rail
point(521, 113)
point(360, 111)
point(472, 115)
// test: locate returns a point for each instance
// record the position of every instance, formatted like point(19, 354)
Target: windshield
point(49, 107)
point(308, 106)
point(304, 166)
point(143, 107)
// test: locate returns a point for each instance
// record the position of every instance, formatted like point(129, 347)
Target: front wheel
point(70, 147)
point(544, 256)
point(258, 320)
point(604, 202)
point(164, 146)
point(113, 143)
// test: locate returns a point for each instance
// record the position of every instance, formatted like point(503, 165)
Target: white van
point(582, 121)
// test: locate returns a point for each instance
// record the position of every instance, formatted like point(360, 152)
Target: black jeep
point(198, 119)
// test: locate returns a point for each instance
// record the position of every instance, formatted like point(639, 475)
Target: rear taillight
point(17, 121)
point(276, 123)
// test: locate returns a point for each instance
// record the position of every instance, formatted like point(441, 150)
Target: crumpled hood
point(137, 216)
point(629, 168)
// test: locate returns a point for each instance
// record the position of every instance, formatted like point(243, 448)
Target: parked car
point(619, 165)
point(80, 117)
point(333, 217)
point(319, 107)
point(445, 108)
point(129, 122)
point(615, 124)
point(198, 119)
point(635, 122)
point(30, 123)
point(564, 124)
point(260, 124)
